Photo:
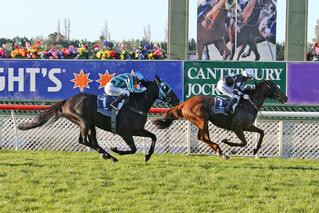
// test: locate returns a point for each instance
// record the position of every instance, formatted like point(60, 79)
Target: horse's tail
point(171, 115)
point(44, 117)
point(163, 123)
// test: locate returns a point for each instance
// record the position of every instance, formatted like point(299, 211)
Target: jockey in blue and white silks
point(123, 85)
point(233, 87)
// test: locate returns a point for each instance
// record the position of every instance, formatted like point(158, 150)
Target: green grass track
point(83, 182)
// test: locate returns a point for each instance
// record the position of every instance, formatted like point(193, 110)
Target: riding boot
point(229, 107)
point(118, 99)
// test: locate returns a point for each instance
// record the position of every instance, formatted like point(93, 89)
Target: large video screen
point(242, 30)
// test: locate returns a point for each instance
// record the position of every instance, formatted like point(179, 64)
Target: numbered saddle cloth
point(220, 105)
point(103, 104)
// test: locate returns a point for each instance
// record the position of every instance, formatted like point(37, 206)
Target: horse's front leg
point(253, 47)
point(259, 39)
point(200, 49)
point(233, 50)
point(222, 47)
point(240, 135)
point(145, 133)
point(128, 138)
point(207, 52)
point(261, 136)
point(241, 50)
point(246, 54)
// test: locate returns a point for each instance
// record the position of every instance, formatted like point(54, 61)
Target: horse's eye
point(164, 87)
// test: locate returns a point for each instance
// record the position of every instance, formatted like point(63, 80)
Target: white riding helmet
point(249, 73)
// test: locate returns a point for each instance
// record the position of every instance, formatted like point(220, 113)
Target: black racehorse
point(81, 109)
point(199, 110)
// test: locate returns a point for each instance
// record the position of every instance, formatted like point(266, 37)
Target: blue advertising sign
point(56, 80)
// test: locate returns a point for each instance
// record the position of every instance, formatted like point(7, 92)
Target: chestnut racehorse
point(199, 110)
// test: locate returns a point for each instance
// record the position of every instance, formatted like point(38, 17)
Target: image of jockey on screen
point(123, 85)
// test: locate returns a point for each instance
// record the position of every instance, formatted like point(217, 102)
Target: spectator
point(313, 53)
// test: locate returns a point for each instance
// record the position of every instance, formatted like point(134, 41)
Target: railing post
point(256, 138)
point(285, 141)
point(280, 140)
point(1, 141)
point(17, 142)
point(189, 137)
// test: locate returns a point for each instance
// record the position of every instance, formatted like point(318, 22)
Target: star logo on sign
point(81, 80)
point(105, 78)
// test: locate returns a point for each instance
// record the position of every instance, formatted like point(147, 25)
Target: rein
point(136, 111)
point(255, 107)
point(133, 109)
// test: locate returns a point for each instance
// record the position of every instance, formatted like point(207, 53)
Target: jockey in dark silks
point(233, 87)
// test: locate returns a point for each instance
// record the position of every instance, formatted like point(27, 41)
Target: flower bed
point(104, 51)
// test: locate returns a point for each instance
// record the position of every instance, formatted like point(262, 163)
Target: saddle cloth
point(220, 105)
point(103, 105)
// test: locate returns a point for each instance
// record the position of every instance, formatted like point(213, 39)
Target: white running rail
point(287, 134)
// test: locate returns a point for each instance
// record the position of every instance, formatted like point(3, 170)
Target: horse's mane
point(146, 84)
point(258, 86)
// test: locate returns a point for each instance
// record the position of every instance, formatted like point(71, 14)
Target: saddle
point(103, 107)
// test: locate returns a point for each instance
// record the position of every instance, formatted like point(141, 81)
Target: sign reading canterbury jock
point(200, 78)
point(55, 80)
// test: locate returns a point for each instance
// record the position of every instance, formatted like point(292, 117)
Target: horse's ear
point(158, 78)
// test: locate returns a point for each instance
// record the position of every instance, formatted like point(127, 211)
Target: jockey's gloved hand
point(245, 96)
point(237, 92)
point(143, 89)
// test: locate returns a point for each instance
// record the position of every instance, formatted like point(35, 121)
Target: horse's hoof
point(225, 157)
point(225, 141)
point(147, 157)
point(114, 160)
point(233, 152)
point(255, 151)
point(113, 149)
point(104, 157)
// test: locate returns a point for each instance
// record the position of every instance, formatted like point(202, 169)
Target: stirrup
point(229, 110)
point(114, 107)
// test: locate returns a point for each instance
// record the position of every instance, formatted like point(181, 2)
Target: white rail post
point(16, 129)
point(256, 138)
point(1, 123)
point(189, 139)
point(280, 140)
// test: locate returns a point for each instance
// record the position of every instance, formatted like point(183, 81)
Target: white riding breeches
point(111, 90)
